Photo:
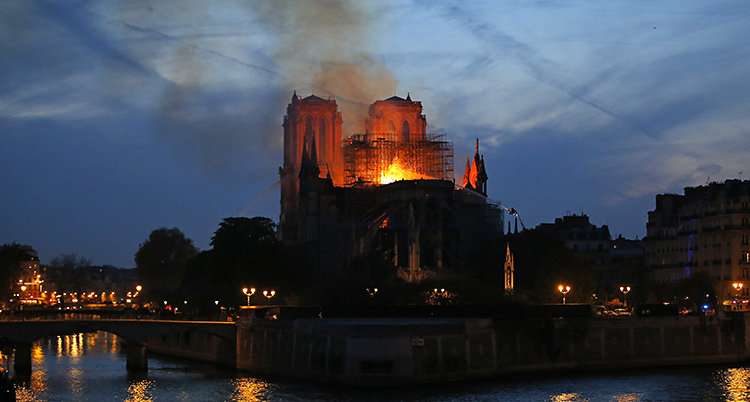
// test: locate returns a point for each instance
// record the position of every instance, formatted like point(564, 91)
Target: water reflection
point(38, 379)
point(67, 350)
point(251, 390)
point(735, 382)
point(576, 397)
point(628, 397)
point(90, 368)
point(567, 398)
point(140, 391)
point(76, 381)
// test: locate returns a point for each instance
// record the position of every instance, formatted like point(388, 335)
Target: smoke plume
point(323, 45)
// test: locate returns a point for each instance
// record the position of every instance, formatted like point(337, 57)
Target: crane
point(512, 211)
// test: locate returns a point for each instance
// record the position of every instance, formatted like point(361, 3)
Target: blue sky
point(120, 117)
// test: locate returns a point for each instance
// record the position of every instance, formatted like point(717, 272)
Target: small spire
point(477, 146)
point(408, 97)
point(465, 181)
point(314, 152)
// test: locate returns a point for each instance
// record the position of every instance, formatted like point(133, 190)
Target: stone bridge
point(137, 333)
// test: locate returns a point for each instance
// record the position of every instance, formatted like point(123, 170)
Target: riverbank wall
point(196, 345)
point(377, 351)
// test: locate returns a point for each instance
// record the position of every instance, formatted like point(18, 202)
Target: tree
point(246, 251)
point(11, 256)
point(67, 273)
point(236, 233)
point(160, 261)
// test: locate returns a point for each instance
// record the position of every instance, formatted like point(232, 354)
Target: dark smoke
point(323, 46)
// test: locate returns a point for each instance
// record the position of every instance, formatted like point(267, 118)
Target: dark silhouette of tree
point(236, 233)
point(68, 273)
point(161, 260)
point(247, 252)
point(11, 256)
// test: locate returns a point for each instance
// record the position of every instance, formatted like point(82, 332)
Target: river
point(91, 367)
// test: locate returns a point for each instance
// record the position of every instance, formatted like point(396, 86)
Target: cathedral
point(387, 192)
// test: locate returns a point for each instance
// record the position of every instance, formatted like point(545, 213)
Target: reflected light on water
point(736, 384)
point(75, 381)
point(27, 395)
point(140, 391)
point(251, 389)
point(38, 379)
point(71, 345)
point(628, 398)
point(572, 397)
point(37, 354)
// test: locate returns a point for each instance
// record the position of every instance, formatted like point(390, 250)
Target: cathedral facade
point(387, 193)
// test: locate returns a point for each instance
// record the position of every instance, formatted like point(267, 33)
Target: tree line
point(245, 252)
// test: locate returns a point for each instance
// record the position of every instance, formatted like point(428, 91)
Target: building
point(579, 234)
point(703, 230)
point(389, 191)
point(29, 289)
point(616, 262)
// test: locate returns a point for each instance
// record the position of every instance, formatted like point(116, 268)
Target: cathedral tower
point(312, 124)
point(401, 118)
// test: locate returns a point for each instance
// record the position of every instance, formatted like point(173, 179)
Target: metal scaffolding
point(367, 158)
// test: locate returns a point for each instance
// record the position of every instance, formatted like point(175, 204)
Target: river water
point(91, 367)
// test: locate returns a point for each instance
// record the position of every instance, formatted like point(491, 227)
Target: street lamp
point(248, 294)
point(737, 287)
point(564, 290)
point(625, 290)
point(269, 295)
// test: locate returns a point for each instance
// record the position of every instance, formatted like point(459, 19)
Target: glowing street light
point(625, 290)
point(249, 294)
point(269, 295)
point(564, 290)
point(737, 287)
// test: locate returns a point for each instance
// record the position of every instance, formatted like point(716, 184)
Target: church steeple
point(475, 177)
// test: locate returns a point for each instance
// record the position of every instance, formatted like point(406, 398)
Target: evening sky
point(118, 117)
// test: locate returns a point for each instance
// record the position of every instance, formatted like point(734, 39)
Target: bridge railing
point(90, 315)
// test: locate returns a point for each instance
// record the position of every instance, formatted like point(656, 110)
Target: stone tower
point(312, 124)
point(401, 118)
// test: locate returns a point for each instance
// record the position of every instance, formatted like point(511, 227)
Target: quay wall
point(418, 350)
point(196, 345)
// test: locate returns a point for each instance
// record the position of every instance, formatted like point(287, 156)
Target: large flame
point(397, 171)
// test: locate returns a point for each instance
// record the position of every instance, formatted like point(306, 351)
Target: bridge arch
point(136, 332)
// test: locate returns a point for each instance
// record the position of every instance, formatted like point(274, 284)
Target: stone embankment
point(373, 351)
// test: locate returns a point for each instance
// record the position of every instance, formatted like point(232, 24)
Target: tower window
point(405, 135)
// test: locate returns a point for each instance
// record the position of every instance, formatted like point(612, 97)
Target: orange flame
point(396, 172)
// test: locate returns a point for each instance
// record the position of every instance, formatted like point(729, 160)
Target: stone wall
point(195, 345)
point(393, 351)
